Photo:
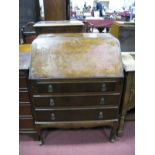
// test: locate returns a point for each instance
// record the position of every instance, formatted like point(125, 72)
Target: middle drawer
point(43, 101)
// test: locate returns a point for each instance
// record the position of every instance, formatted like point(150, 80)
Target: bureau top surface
point(78, 55)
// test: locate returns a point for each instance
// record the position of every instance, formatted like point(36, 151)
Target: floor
point(80, 142)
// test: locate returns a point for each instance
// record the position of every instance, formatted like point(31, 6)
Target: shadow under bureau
point(76, 81)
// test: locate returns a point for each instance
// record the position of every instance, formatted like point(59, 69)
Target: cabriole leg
point(113, 132)
point(40, 137)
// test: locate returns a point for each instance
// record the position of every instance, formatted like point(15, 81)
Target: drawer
point(23, 83)
point(83, 100)
point(26, 123)
point(24, 96)
point(25, 109)
point(101, 86)
point(23, 73)
point(76, 114)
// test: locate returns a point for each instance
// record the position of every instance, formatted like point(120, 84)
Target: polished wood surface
point(128, 99)
point(76, 114)
point(25, 109)
point(66, 106)
point(26, 125)
point(64, 91)
point(76, 55)
point(43, 101)
point(64, 29)
point(24, 96)
point(52, 9)
point(61, 26)
point(70, 86)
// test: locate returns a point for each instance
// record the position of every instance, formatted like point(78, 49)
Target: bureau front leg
point(40, 136)
point(113, 132)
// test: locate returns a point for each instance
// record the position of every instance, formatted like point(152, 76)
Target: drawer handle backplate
point(53, 116)
point(52, 102)
point(50, 88)
point(102, 101)
point(103, 87)
point(100, 115)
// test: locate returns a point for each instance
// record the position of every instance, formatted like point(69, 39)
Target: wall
point(27, 11)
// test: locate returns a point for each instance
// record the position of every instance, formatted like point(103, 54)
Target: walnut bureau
point(25, 115)
point(76, 81)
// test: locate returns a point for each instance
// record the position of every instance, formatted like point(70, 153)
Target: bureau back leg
point(113, 132)
point(121, 126)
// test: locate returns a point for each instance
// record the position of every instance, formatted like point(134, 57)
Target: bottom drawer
point(76, 115)
point(26, 123)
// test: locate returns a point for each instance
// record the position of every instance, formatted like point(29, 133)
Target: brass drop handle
point(102, 101)
point(100, 115)
point(53, 116)
point(103, 87)
point(52, 102)
point(50, 88)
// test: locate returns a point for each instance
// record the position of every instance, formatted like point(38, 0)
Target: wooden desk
point(76, 81)
point(25, 115)
point(65, 26)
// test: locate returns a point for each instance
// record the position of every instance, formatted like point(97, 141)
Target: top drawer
point(23, 73)
point(23, 77)
point(81, 86)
